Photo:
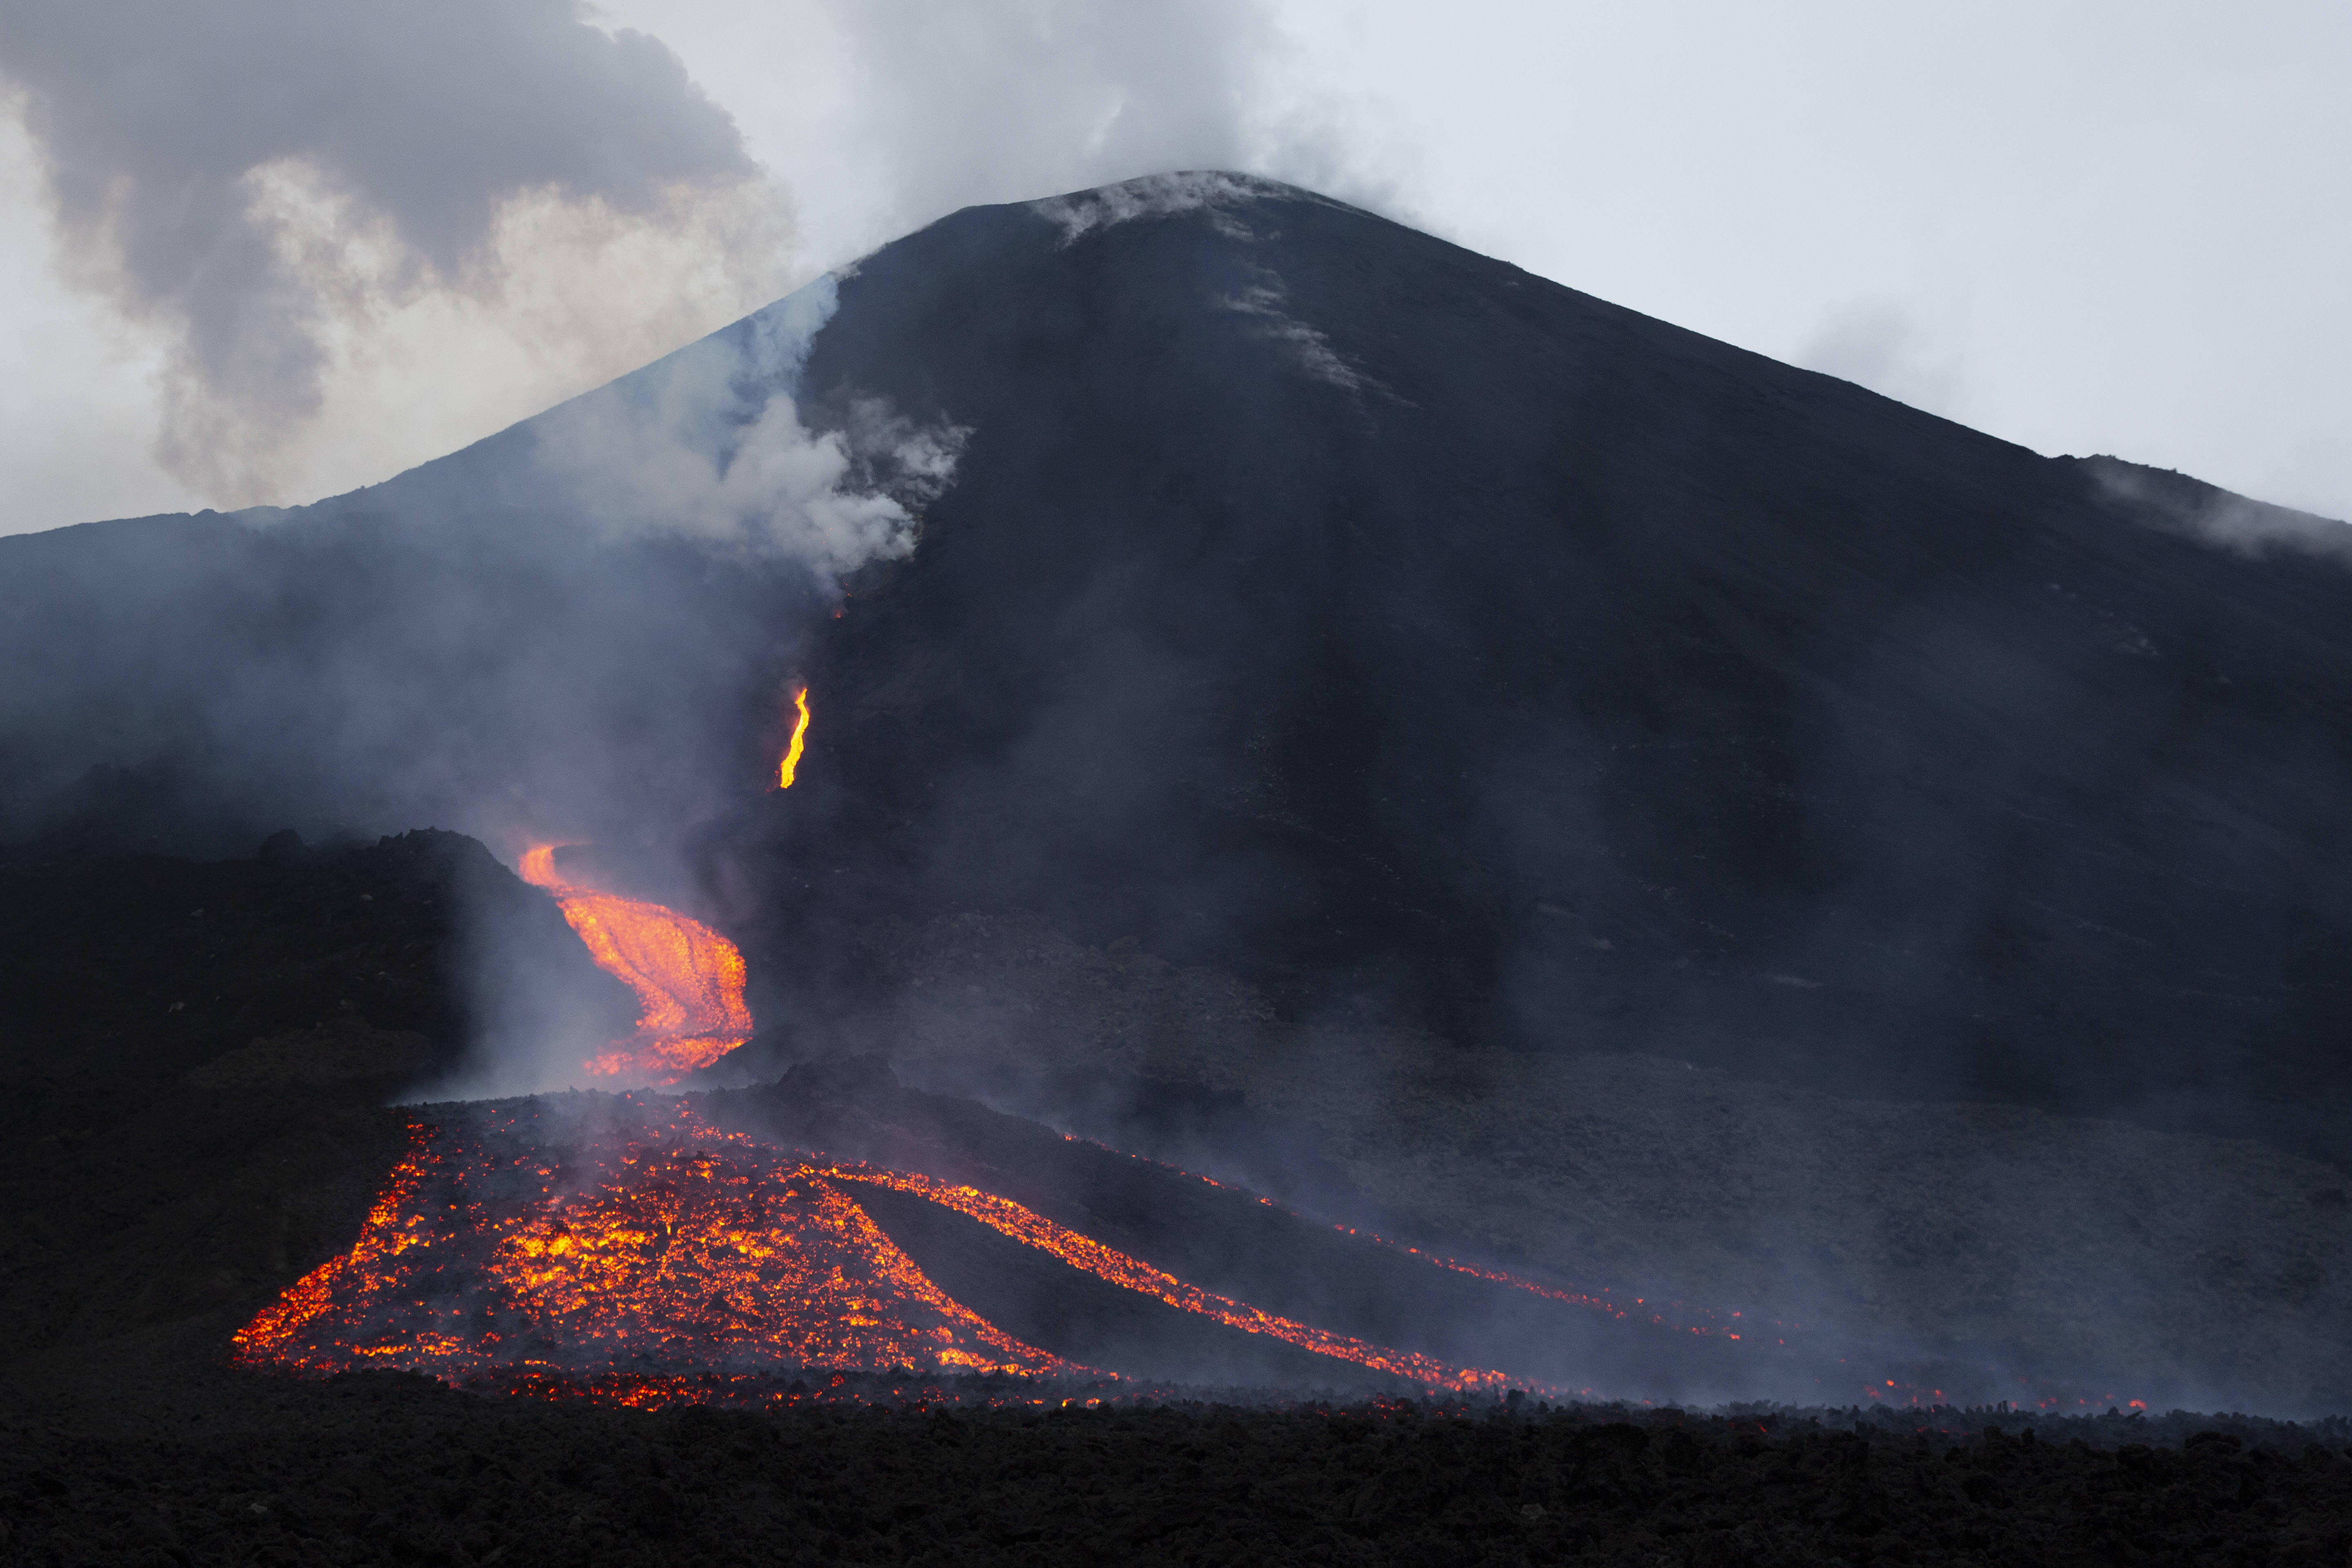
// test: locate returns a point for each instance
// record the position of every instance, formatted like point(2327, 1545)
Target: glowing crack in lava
point(792, 763)
point(668, 1250)
point(688, 979)
point(512, 1248)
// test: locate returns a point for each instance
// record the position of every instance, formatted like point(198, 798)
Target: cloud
point(265, 182)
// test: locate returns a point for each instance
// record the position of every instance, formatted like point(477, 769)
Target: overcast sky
point(272, 249)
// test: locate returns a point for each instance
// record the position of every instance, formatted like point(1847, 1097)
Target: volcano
point(1324, 603)
point(1334, 701)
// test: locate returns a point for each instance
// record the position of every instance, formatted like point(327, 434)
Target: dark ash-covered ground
point(2168, 1267)
point(382, 1468)
point(165, 1172)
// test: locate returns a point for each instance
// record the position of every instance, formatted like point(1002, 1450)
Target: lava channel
point(688, 978)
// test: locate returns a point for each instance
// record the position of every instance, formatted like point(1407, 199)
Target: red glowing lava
point(688, 978)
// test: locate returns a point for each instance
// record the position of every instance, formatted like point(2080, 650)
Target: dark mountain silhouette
point(1322, 602)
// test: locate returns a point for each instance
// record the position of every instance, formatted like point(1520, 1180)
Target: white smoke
point(1157, 195)
point(2218, 518)
point(708, 445)
point(1266, 301)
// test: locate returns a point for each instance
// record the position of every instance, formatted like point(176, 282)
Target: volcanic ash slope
point(2182, 1270)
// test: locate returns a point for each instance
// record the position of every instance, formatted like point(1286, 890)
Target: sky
point(268, 250)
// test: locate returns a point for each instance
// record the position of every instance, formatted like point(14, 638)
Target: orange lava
point(791, 765)
point(656, 1260)
point(1022, 1224)
point(688, 978)
point(665, 1252)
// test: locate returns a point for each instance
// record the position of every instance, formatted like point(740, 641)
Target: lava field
point(178, 1179)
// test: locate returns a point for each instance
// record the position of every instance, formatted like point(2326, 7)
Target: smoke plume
point(264, 185)
point(708, 446)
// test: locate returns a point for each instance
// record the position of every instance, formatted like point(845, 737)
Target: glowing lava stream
point(493, 1252)
point(507, 1249)
point(1004, 1215)
point(688, 979)
point(791, 765)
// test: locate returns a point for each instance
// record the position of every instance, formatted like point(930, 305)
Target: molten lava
point(1009, 1218)
point(655, 1251)
point(791, 765)
point(688, 979)
point(526, 1251)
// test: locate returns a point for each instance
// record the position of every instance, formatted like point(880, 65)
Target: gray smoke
point(261, 180)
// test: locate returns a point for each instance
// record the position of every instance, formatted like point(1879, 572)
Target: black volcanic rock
point(382, 1468)
point(1234, 1243)
point(1369, 620)
point(1326, 603)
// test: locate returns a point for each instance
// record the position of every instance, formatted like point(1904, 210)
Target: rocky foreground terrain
point(196, 1114)
point(376, 1468)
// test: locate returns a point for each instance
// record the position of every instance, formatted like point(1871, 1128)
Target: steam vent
point(1185, 793)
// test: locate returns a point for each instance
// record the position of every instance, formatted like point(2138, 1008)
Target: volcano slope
point(1324, 602)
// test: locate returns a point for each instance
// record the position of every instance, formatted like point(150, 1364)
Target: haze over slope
point(1304, 595)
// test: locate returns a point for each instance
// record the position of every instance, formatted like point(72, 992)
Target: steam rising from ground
point(1162, 195)
point(2233, 523)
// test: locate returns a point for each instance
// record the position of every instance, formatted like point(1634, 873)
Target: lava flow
point(506, 1246)
point(792, 763)
point(1009, 1218)
point(688, 978)
point(530, 1249)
